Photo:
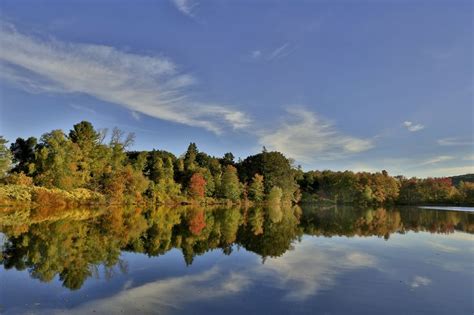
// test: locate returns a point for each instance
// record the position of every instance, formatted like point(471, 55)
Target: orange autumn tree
point(197, 221)
point(197, 186)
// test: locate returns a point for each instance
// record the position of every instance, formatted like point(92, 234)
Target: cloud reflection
point(308, 269)
point(165, 295)
point(301, 273)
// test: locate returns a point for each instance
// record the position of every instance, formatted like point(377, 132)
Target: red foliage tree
point(446, 181)
point(197, 186)
point(197, 222)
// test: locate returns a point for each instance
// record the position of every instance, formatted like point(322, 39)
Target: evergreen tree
point(24, 155)
point(230, 185)
point(190, 157)
point(86, 139)
point(275, 168)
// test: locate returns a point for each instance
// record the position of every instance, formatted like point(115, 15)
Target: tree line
point(94, 160)
point(365, 188)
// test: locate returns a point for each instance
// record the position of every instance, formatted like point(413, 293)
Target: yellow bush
point(45, 196)
point(19, 179)
point(10, 193)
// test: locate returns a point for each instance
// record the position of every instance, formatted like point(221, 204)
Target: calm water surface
point(212, 261)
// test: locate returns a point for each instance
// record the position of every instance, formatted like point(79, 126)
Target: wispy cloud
point(150, 85)
point(136, 115)
point(279, 52)
point(83, 108)
point(412, 127)
point(419, 281)
point(436, 160)
point(165, 295)
point(307, 137)
point(308, 270)
point(274, 54)
point(300, 274)
point(423, 166)
point(450, 171)
point(455, 142)
point(469, 158)
point(437, 245)
point(185, 6)
point(256, 54)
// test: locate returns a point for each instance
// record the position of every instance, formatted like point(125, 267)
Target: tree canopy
point(86, 158)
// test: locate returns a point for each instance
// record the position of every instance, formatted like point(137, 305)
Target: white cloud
point(301, 273)
point(136, 115)
point(83, 108)
point(469, 158)
point(436, 160)
point(165, 295)
point(462, 236)
point(412, 127)
point(185, 6)
point(420, 281)
point(308, 270)
point(151, 85)
point(448, 171)
point(270, 55)
point(443, 247)
point(256, 54)
point(308, 137)
point(455, 142)
point(279, 52)
point(362, 167)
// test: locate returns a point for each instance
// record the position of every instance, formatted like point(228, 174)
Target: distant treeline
point(380, 188)
point(88, 162)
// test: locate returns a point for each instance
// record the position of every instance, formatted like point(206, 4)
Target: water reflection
point(73, 244)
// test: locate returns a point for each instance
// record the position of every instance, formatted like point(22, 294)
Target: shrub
point(9, 193)
point(52, 197)
point(19, 179)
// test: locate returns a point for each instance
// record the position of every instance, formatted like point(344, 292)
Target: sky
point(340, 85)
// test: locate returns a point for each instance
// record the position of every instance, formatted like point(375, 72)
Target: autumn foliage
point(197, 186)
point(197, 221)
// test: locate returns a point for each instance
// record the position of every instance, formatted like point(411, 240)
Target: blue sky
point(359, 85)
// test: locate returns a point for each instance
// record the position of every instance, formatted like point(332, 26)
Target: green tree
point(227, 159)
point(162, 174)
point(256, 188)
point(275, 168)
point(57, 162)
point(230, 185)
point(190, 157)
point(274, 197)
point(24, 155)
point(5, 158)
point(210, 185)
point(86, 139)
point(256, 220)
point(466, 190)
point(84, 135)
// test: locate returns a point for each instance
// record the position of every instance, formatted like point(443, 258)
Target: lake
point(191, 260)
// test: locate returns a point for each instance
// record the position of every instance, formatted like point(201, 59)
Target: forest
point(87, 166)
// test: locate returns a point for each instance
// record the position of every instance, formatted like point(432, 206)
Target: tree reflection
point(74, 244)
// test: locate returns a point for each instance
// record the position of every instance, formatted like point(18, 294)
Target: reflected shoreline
point(73, 243)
